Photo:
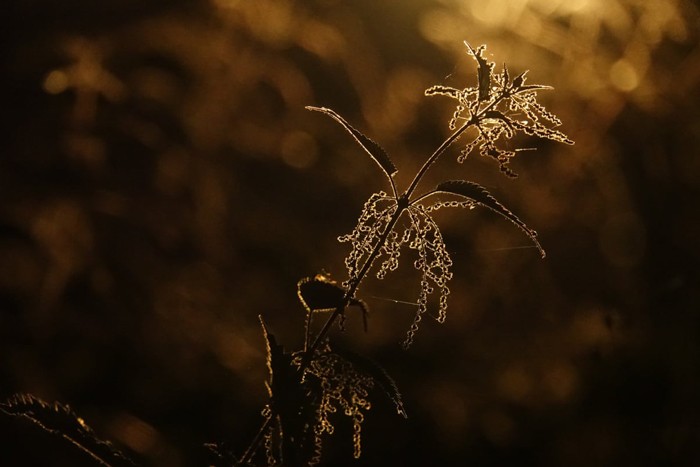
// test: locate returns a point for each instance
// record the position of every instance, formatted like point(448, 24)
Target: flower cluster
point(373, 221)
point(342, 386)
point(499, 108)
point(422, 234)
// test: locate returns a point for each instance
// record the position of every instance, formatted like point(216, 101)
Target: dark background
point(161, 185)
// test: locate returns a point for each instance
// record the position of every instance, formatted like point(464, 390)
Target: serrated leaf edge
point(369, 145)
point(38, 411)
point(479, 194)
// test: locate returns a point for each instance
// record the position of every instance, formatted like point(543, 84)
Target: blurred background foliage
point(161, 185)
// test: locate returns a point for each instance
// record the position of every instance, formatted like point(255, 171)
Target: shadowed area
point(162, 185)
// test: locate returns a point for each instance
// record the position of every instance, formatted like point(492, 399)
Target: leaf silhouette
point(519, 80)
point(372, 148)
point(480, 195)
point(381, 378)
point(319, 293)
point(506, 76)
point(277, 361)
point(483, 72)
point(60, 420)
point(533, 87)
point(520, 86)
point(293, 403)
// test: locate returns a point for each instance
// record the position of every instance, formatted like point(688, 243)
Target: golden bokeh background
point(161, 185)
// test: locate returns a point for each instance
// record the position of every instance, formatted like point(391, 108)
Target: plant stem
point(448, 142)
point(401, 206)
point(349, 295)
point(248, 454)
point(431, 160)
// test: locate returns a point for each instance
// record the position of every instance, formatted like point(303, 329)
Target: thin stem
point(393, 186)
point(349, 295)
point(422, 197)
point(448, 142)
point(438, 152)
point(307, 329)
point(403, 203)
point(253, 446)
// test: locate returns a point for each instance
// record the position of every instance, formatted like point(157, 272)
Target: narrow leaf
point(483, 72)
point(506, 76)
point(60, 420)
point(381, 378)
point(497, 115)
point(480, 195)
point(534, 87)
point(292, 401)
point(277, 362)
point(519, 80)
point(372, 148)
point(519, 85)
point(320, 293)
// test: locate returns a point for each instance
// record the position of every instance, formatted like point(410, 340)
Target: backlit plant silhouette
point(307, 387)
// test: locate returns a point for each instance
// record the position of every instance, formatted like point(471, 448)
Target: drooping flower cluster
point(422, 234)
point(306, 391)
point(433, 262)
point(498, 107)
point(373, 221)
point(342, 387)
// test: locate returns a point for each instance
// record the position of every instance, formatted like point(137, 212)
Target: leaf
point(506, 76)
point(497, 115)
point(320, 293)
point(277, 361)
point(373, 149)
point(60, 420)
point(293, 403)
point(520, 80)
point(483, 72)
point(480, 195)
point(381, 378)
point(519, 84)
point(534, 87)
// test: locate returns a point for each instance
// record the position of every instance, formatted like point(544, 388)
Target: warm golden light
point(56, 82)
point(135, 433)
point(162, 186)
point(299, 149)
point(623, 75)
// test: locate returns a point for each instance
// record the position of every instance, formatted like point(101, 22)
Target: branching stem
point(308, 354)
point(448, 142)
point(355, 283)
point(402, 203)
